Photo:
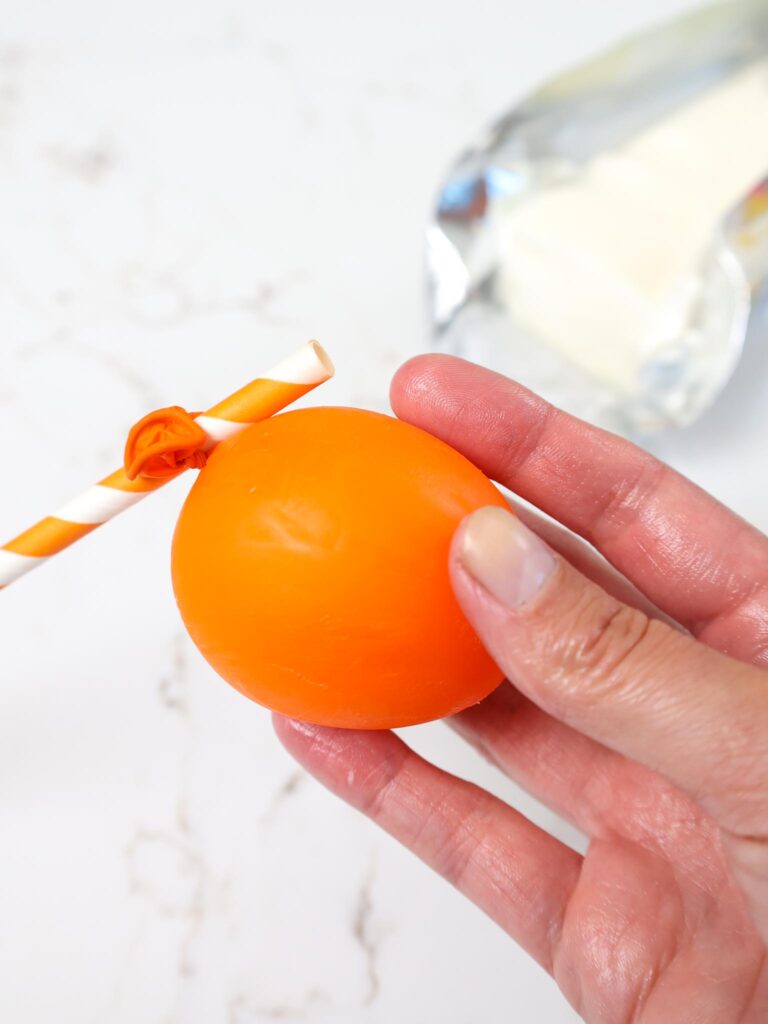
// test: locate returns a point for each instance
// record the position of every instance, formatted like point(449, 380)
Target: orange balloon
point(310, 565)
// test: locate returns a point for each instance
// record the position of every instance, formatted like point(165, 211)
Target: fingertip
point(417, 382)
point(349, 762)
point(321, 750)
point(295, 736)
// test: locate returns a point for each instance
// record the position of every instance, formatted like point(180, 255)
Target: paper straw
point(263, 397)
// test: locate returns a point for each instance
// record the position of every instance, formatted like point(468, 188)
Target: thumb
point(631, 682)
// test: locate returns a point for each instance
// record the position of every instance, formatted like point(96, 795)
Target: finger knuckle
point(455, 857)
point(380, 787)
point(465, 846)
point(605, 646)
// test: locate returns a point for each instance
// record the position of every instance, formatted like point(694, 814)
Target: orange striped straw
point(160, 447)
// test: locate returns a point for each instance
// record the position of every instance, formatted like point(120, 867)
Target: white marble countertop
point(188, 191)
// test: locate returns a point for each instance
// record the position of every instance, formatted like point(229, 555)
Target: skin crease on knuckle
point(597, 649)
point(459, 844)
point(381, 783)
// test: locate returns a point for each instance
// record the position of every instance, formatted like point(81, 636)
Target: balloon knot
point(164, 443)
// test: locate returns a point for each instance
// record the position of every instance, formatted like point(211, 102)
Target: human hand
point(651, 738)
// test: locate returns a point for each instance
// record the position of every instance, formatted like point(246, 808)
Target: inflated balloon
point(310, 565)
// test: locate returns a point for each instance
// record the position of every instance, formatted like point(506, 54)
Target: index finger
point(692, 557)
